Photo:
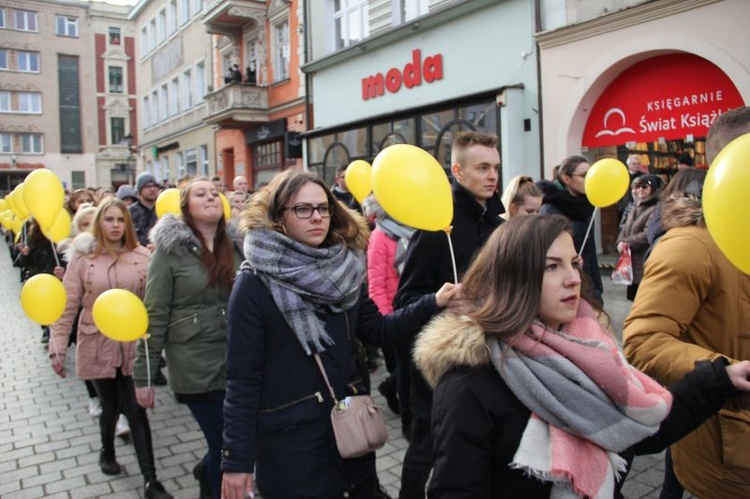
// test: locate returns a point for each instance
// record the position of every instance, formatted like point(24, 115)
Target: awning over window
point(670, 96)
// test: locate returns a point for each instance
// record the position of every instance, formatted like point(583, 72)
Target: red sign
point(669, 96)
point(432, 69)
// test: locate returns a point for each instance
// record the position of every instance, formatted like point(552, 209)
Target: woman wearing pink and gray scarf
point(533, 397)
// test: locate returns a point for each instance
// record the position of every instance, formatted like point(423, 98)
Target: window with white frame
point(152, 34)
point(180, 164)
point(5, 101)
point(144, 41)
point(184, 11)
point(191, 162)
point(406, 10)
point(187, 89)
point(155, 107)
point(281, 50)
point(117, 129)
point(145, 113)
point(161, 26)
point(252, 51)
point(28, 62)
point(66, 26)
point(200, 81)
point(4, 59)
point(197, 7)
point(174, 97)
point(32, 143)
point(172, 19)
point(2, 18)
point(6, 142)
point(351, 22)
point(203, 160)
point(30, 102)
point(115, 80)
point(115, 35)
point(26, 20)
point(163, 102)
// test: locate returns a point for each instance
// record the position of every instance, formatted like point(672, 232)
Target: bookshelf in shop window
point(661, 156)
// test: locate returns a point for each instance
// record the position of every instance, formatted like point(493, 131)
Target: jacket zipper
point(193, 317)
point(317, 395)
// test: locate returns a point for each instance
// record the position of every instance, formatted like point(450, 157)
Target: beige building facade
point(174, 71)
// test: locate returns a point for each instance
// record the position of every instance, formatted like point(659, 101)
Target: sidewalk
point(49, 444)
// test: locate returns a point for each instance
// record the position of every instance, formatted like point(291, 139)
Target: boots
point(107, 463)
point(155, 490)
point(200, 472)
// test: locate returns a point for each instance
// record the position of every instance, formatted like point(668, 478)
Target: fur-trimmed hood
point(175, 237)
point(682, 211)
point(83, 244)
point(447, 342)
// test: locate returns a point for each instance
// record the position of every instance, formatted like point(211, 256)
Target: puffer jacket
point(88, 275)
point(692, 305)
point(382, 276)
point(187, 318)
point(634, 233)
point(477, 421)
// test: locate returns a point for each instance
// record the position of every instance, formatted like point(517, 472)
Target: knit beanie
point(143, 179)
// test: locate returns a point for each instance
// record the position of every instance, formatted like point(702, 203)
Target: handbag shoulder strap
point(325, 377)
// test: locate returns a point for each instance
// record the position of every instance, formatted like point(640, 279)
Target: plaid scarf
point(305, 281)
point(587, 404)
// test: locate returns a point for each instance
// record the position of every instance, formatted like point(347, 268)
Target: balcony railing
point(237, 103)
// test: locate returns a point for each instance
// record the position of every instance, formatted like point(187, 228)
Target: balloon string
point(588, 231)
point(54, 252)
point(453, 256)
point(148, 363)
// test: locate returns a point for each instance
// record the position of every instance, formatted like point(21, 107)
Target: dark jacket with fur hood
point(693, 305)
point(477, 421)
point(187, 318)
point(634, 232)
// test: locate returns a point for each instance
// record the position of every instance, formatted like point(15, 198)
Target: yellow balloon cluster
point(412, 187)
point(44, 195)
point(168, 202)
point(120, 315)
point(606, 182)
point(358, 179)
point(43, 298)
point(726, 202)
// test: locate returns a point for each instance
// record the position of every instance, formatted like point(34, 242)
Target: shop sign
point(411, 76)
point(271, 130)
point(666, 97)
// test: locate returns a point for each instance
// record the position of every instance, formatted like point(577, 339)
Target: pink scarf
point(587, 404)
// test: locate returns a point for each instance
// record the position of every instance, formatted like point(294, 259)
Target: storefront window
point(355, 142)
point(482, 116)
point(432, 124)
point(317, 148)
point(393, 132)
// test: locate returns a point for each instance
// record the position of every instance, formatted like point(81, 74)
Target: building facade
point(419, 71)
point(639, 77)
point(173, 71)
point(258, 119)
point(47, 86)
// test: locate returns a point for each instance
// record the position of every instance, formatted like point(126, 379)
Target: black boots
point(200, 472)
point(107, 463)
point(155, 490)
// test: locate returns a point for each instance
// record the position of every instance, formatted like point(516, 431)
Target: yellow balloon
point(17, 238)
point(43, 298)
point(359, 179)
point(725, 199)
point(412, 187)
point(7, 223)
point(168, 202)
point(227, 207)
point(60, 229)
point(3, 205)
point(16, 224)
point(120, 315)
point(44, 196)
point(23, 210)
point(606, 182)
point(11, 204)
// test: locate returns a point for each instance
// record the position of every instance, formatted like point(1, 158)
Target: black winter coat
point(478, 423)
point(428, 266)
point(277, 407)
point(144, 220)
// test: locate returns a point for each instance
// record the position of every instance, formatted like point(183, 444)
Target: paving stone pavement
point(49, 443)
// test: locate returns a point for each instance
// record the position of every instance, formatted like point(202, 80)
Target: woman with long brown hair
point(190, 277)
point(106, 258)
point(533, 397)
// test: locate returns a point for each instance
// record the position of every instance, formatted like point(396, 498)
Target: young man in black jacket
point(475, 165)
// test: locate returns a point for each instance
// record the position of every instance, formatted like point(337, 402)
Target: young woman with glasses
point(300, 292)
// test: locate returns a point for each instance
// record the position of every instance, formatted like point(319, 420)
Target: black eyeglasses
point(304, 211)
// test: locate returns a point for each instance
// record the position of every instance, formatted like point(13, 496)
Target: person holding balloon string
point(107, 259)
point(300, 292)
point(190, 276)
point(693, 304)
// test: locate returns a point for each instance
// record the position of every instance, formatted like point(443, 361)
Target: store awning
point(666, 97)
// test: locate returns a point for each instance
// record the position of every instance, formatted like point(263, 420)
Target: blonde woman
point(521, 197)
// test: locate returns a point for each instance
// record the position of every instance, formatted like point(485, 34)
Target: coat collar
point(467, 203)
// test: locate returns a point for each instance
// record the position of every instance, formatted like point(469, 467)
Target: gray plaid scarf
point(304, 280)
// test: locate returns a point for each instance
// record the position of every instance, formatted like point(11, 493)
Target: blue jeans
point(210, 418)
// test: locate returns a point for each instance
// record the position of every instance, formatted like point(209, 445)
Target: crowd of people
point(509, 382)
